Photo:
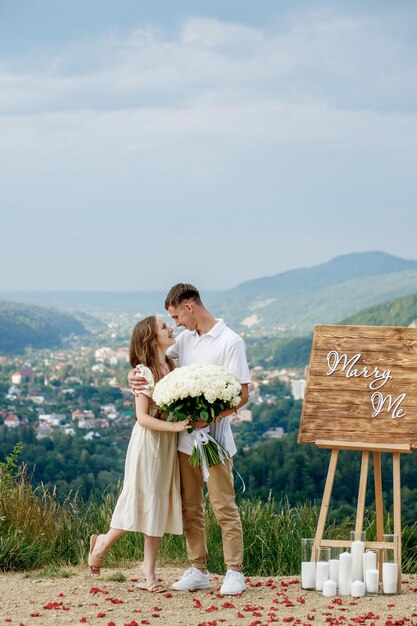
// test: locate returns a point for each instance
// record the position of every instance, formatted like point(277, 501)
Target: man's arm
point(243, 400)
point(136, 382)
point(237, 363)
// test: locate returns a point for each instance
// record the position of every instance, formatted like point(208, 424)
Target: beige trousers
point(222, 497)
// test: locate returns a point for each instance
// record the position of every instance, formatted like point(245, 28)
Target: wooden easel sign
point(362, 395)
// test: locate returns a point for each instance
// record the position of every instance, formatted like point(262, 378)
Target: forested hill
point(23, 325)
point(398, 312)
point(296, 352)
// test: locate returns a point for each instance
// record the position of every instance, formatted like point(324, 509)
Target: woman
point(150, 500)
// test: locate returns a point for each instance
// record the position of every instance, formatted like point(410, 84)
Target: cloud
point(345, 62)
point(213, 34)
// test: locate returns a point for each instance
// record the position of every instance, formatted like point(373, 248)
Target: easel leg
point(397, 509)
point(379, 504)
point(326, 499)
point(362, 493)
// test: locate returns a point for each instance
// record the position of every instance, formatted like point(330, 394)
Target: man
point(208, 340)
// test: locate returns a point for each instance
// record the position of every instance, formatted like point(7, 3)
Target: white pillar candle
point(345, 573)
point(358, 548)
point(357, 589)
point(371, 580)
point(308, 575)
point(389, 578)
point(329, 588)
point(369, 564)
point(369, 560)
point(322, 574)
point(334, 570)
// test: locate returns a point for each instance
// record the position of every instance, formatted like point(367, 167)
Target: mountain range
point(288, 304)
point(292, 302)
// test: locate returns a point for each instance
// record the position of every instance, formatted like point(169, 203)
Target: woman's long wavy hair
point(144, 347)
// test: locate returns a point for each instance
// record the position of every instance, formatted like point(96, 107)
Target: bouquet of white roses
point(202, 391)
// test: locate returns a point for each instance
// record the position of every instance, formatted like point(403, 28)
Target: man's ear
point(189, 306)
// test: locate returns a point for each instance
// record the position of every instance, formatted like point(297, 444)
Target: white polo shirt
point(220, 346)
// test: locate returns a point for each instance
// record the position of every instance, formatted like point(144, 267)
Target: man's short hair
point(180, 293)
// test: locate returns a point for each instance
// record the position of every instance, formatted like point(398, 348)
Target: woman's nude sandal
point(94, 561)
point(153, 587)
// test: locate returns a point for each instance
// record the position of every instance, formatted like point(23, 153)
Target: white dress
point(150, 501)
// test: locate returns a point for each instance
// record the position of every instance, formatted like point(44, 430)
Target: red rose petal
point(98, 590)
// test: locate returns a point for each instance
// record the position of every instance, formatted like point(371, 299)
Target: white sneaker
point(192, 578)
point(233, 583)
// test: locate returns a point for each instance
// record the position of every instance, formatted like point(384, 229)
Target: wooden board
point(361, 386)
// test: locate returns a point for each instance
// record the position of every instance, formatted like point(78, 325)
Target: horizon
point(205, 291)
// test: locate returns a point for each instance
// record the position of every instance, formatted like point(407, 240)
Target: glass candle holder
point(334, 564)
point(371, 571)
point(357, 550)
point(308, 564)
point(322, 567)
point(390, 565)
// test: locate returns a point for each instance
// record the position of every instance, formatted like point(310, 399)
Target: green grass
point(50, 571)
point(39, 533)
point(117, 577)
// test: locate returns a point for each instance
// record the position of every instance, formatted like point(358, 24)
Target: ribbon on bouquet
point(200, 438)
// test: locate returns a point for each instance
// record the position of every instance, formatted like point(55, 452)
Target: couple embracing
point(162, 492)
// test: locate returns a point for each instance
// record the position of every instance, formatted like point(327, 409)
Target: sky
point(144, 143)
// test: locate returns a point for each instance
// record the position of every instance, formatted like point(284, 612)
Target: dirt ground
point(98, 601)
